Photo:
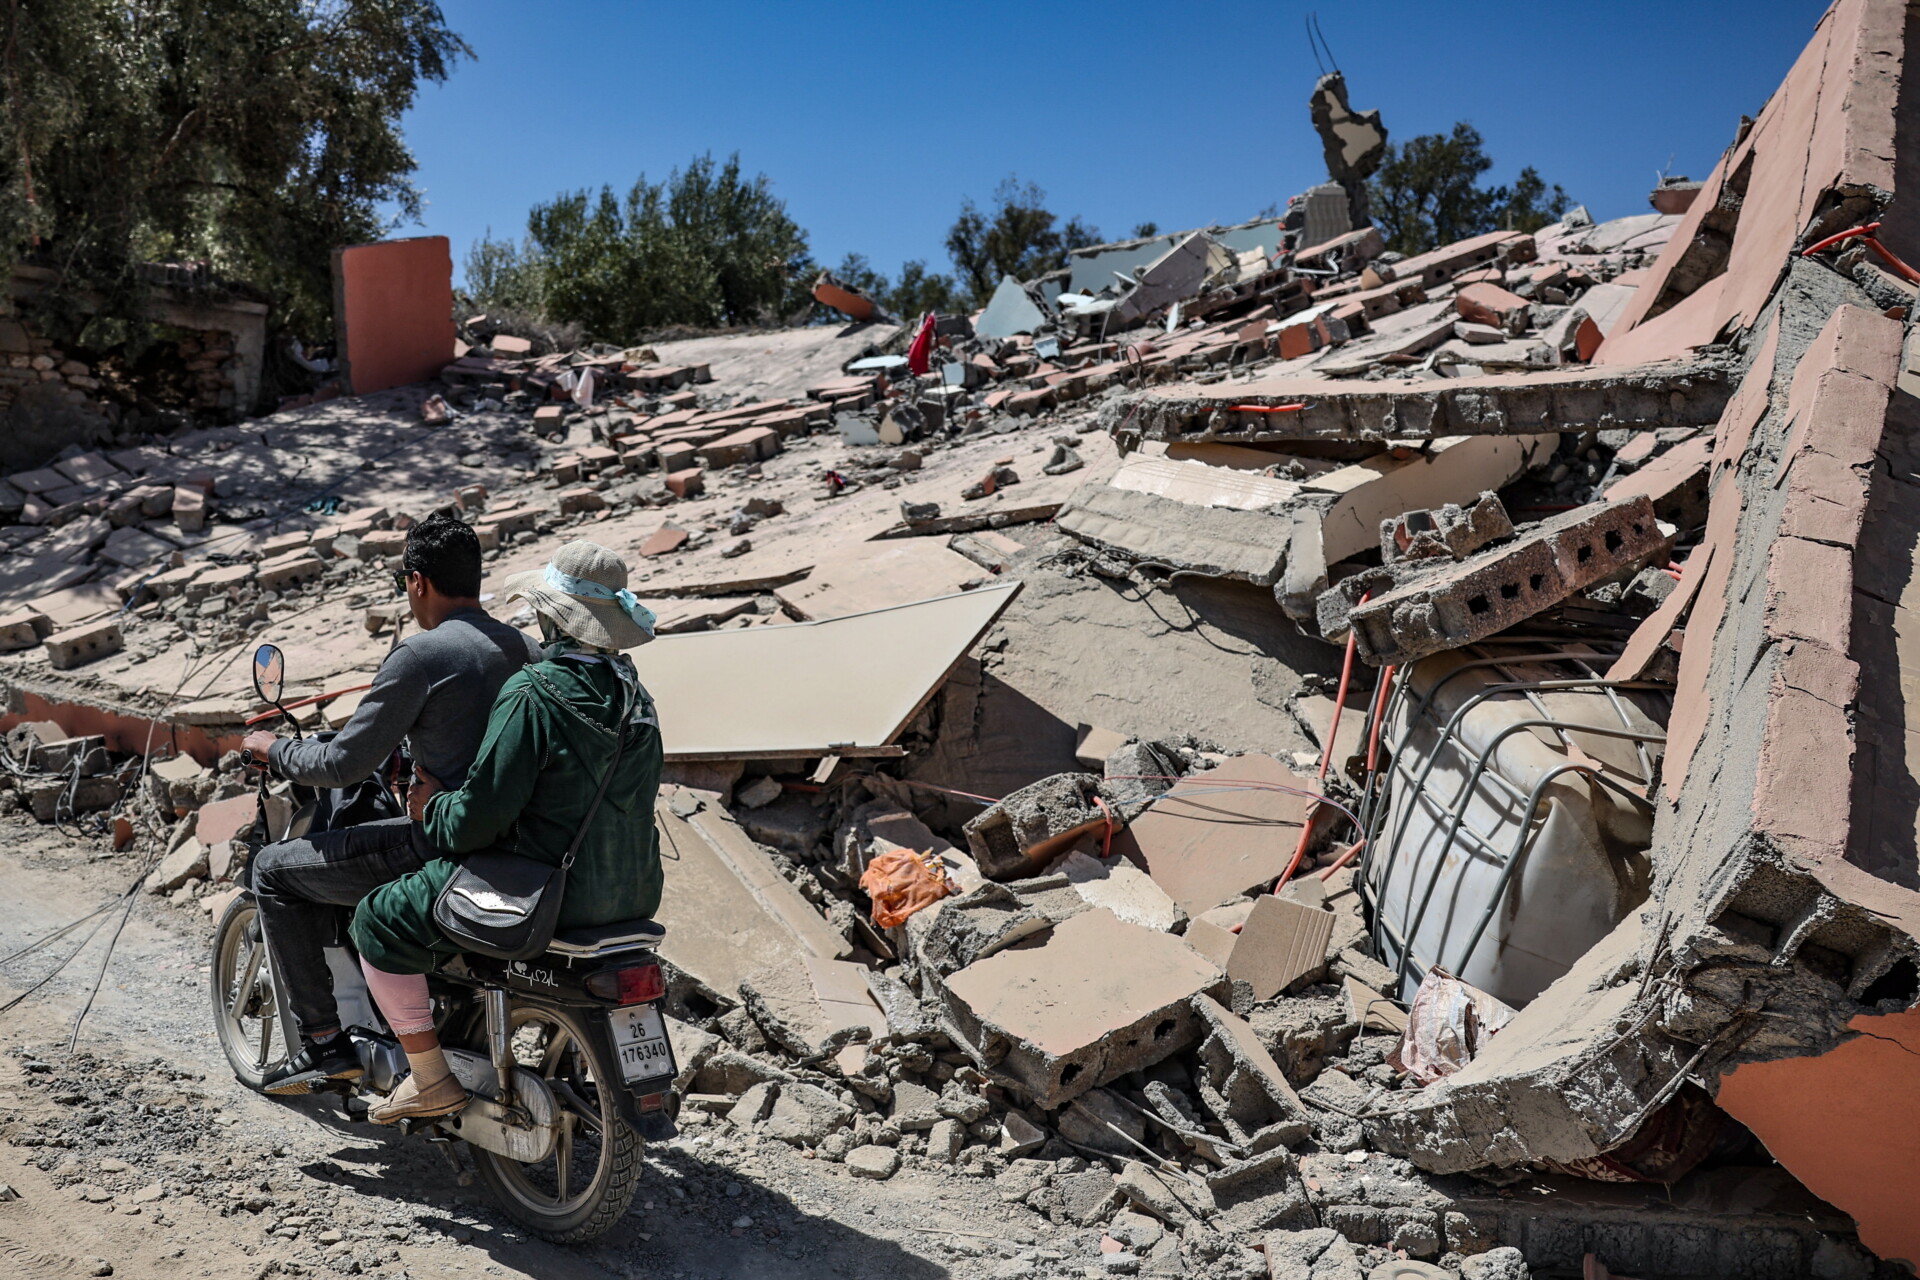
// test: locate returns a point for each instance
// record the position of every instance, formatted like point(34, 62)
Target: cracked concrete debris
point(1582, 556)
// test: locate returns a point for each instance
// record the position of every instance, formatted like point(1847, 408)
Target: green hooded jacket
point(549, 740)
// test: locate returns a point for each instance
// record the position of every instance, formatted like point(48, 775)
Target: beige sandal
point(409, 1101)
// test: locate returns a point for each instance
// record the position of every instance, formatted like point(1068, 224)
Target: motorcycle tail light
point(653, 1102)
point(638, 985)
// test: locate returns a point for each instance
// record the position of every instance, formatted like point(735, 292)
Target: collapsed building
point(1299, 757)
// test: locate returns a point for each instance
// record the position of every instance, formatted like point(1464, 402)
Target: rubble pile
point(1556, 911)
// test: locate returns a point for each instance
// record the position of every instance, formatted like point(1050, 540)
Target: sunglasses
point(400, 577)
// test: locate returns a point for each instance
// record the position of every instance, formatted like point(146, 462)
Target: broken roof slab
point(846, 686)
point(1576, 398)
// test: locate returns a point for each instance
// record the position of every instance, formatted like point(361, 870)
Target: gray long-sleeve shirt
point(435, 690)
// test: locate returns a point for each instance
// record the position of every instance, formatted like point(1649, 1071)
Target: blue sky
point(873, 121)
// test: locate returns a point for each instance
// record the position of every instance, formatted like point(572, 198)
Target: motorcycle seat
point(600, 939)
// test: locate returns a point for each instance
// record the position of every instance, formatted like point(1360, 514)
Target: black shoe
point(312, 1067)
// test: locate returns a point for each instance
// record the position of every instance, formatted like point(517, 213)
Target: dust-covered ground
point(136, 1150)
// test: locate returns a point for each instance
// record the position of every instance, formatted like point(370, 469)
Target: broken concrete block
point(1220, 542)
point(1167, 1196)
point(1019, 1135)
point(1504, 1263)
point(578, 501)
point(1491, 305)
point(1240, 1082)
point(1260, 1194)
point(1281, 943)
point(60, 798)
point(1098, 998)
point(1083, 1199)
point(1458, 603)
point(189, 508)
point(945, 1140)
point(754, 1105)
point(874, 1162)
point(290, 570)
point(955, 932)
point(915, 1107)
point(1098, 1119)
point(83, 644)
point(1123, 889)
point(1317, 1253)
point(23, 630)
point(804, 1115)
point(185, 863)
point(378, 543)
point(687, 483)
point(1451, 531)
point(1027, 828)
point(751, 444)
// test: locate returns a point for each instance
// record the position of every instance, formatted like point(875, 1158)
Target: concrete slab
point(1096, 999)
point(1207, 841)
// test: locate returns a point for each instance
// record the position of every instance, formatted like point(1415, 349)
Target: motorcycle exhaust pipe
point(499, 1044)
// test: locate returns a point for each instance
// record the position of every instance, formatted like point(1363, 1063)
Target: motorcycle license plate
point(640, 1041)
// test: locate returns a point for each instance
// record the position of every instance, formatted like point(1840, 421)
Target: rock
point(92, 1194)
point(148, 1194)
point(878, 1163)
point(1135, 1230)
point(1505, 1263)
point(7, 1193)
point(1090, 1120)
point(1166, 1196)
point(914, 1107)
point(1120, 1264)
point(944, 1141)
point(753, 1106)
point(804, 1115)
point(963, 1105)
point(1085, 1199)
point(1318, 1254)
point(1021, 1179)
point(1019, 1135)
point(919, 512)
point(761, 791)
point(188, 862)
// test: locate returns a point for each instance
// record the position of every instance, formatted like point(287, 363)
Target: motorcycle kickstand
point(444, 1144)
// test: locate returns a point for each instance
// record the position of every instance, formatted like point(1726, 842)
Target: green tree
point(1427, 192)
point(1018, 238)
point(253, 135)
point(920, 291)
point(1146, 230)
point(706, 247)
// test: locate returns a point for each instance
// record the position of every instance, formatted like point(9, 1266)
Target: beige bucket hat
point(584, 590)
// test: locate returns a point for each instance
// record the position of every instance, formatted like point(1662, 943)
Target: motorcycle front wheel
point(584, 1187)
point(246, 1001)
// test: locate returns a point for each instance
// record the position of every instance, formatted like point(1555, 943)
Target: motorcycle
point(565, 1058)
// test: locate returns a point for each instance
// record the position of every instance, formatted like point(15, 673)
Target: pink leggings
point(402, 997)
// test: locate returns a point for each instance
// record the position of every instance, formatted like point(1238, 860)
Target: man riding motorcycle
point(434, 691)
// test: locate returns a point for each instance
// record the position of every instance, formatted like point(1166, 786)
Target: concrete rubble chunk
point(1241, 1083)
point(1461, 602)
point(1316, 1253)
point(1249, 546)
point(1123, 889)
point(1576, 398)
point(1167, 1196)
point(1207, 842)
point(1096, 999)
point(803, 1115)
point(876, 1163)
point(80, 645)
point(1027, 828)
point(1451, 530)
point(956, 932)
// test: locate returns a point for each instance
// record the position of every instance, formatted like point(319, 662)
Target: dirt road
point(137, 1151)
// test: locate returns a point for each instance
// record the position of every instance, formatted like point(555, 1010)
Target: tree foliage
point(707, 247)
point(1427, 192)
point(254, 135)
point(1016, 238)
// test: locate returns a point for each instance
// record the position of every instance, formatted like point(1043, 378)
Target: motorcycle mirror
point(269, 673)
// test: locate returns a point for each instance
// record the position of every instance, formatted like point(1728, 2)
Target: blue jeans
point(301, 887)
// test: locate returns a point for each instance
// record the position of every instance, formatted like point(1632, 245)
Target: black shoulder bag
point(506, 905)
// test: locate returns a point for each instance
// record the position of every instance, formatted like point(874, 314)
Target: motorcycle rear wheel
point(246, 1001)
point(584, 1187)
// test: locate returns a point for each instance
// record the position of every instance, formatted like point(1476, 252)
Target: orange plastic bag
point(901, 882)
